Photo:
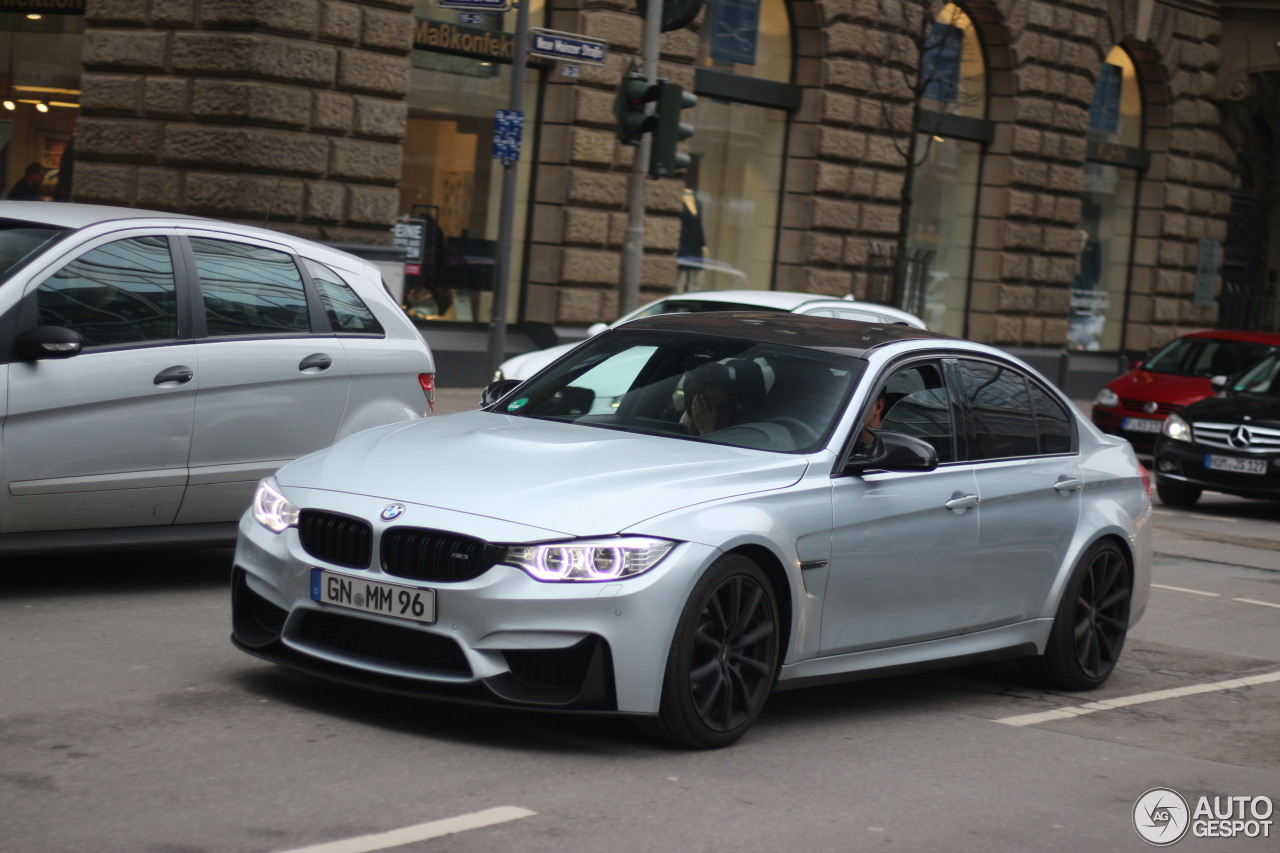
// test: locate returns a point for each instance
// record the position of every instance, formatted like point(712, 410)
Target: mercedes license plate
point(1235, 464)
point(388, 599)
point(1141, 425)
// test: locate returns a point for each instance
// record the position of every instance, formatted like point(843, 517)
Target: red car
point(1135, 405)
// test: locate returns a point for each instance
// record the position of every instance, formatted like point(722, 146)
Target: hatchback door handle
point(316, 362)
point(1067, 485)
point(179, 374)
point(961, 501)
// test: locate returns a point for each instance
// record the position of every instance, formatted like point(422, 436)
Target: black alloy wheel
point(1092, 621)
point(724, 657)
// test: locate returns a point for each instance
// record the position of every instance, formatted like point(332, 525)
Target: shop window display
point(450, 186)
point(1105, 231)
point(39, 103)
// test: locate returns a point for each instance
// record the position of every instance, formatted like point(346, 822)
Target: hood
point(578, 480)
point(1161, 387)
point(1258, 409)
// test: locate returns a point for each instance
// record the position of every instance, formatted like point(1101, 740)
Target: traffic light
point(668, 130)
point(635, 92)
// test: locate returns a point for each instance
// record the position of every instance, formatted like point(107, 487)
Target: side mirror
point(48, 342)
point(1217, 383)
point(596, 328)
point(893, 451)
point(495, 391)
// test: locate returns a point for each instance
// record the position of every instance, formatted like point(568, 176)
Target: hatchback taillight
point(1146, 478)
point(428, 383)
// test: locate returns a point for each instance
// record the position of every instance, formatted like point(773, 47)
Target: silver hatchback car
point(154, 367)
point(690, 511)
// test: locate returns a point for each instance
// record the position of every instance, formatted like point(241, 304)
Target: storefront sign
point(455, 38)
point(508, 127)
point(1207, 260)
point(410, 235)
point(567, 46)
point(43, 7)
point(488, 5)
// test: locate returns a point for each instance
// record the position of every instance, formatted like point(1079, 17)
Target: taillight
point(1146, 478)
point(428, 383)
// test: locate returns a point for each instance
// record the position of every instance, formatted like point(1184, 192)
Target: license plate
point(388, 599)
point(1235, 464)
point(1141, 425)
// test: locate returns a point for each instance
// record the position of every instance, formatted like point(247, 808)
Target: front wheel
point(723, 658)
point(1092, 621)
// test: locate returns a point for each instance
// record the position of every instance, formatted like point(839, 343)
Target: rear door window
point(249, 290)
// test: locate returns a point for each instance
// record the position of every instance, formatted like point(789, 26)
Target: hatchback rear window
point(19, 241)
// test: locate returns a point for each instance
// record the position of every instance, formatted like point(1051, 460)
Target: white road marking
point(1215, 518)
point(1184, 589)
point(420, 832)
point(1138, 699)
point(1251, 601)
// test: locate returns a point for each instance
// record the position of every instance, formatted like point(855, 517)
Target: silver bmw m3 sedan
point(688, 512)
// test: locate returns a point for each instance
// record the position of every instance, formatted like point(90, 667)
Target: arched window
point(952, 130)
point(732, 194)
point(1105, 232)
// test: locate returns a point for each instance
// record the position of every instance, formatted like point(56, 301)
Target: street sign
point(487, 5)
point(507, 129)
point(471, 17)
point(567, 46)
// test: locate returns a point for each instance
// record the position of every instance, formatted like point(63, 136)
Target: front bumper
point(1184, 463)
point(501, 638)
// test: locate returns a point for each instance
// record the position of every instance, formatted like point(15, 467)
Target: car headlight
point(1176, 428)
point(589, 559)
point(1107, 398)
point(272, 509)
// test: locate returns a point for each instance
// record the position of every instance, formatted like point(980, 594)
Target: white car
point(825, 500)
point(155, 367)
point(526, 364)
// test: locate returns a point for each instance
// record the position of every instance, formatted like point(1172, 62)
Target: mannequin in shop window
point(28, 186)
point(689, 257)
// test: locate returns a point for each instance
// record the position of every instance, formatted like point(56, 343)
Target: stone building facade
point(301, 114)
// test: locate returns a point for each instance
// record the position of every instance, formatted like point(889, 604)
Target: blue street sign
point(507, 129)
point(488, 5)
point(567, 46)
point(471, 17)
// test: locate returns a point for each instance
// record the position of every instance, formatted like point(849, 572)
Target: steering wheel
point(804, 435)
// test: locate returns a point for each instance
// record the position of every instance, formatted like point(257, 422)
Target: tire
point(1177, 494)
point(1091, 623)
point(723, 659)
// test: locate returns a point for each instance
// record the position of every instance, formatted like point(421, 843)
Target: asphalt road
point(129, 723)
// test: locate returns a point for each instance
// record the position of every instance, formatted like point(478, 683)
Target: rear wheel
point(723, 658)
point(1091, 623)
point(1177, 494)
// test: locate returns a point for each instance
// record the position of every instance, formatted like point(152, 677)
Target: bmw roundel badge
point(391, 512)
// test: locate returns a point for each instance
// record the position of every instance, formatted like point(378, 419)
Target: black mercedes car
point(1229, 443)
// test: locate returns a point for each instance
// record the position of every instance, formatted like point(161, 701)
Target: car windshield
point(693, 305)
point(1262, 378)
point(1205, 357)
point(19, 241)
point(693, 387)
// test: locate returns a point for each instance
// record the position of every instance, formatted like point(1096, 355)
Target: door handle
point(961, 501)
point(179, 374)
point(1067, 485)
point(316, 362)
